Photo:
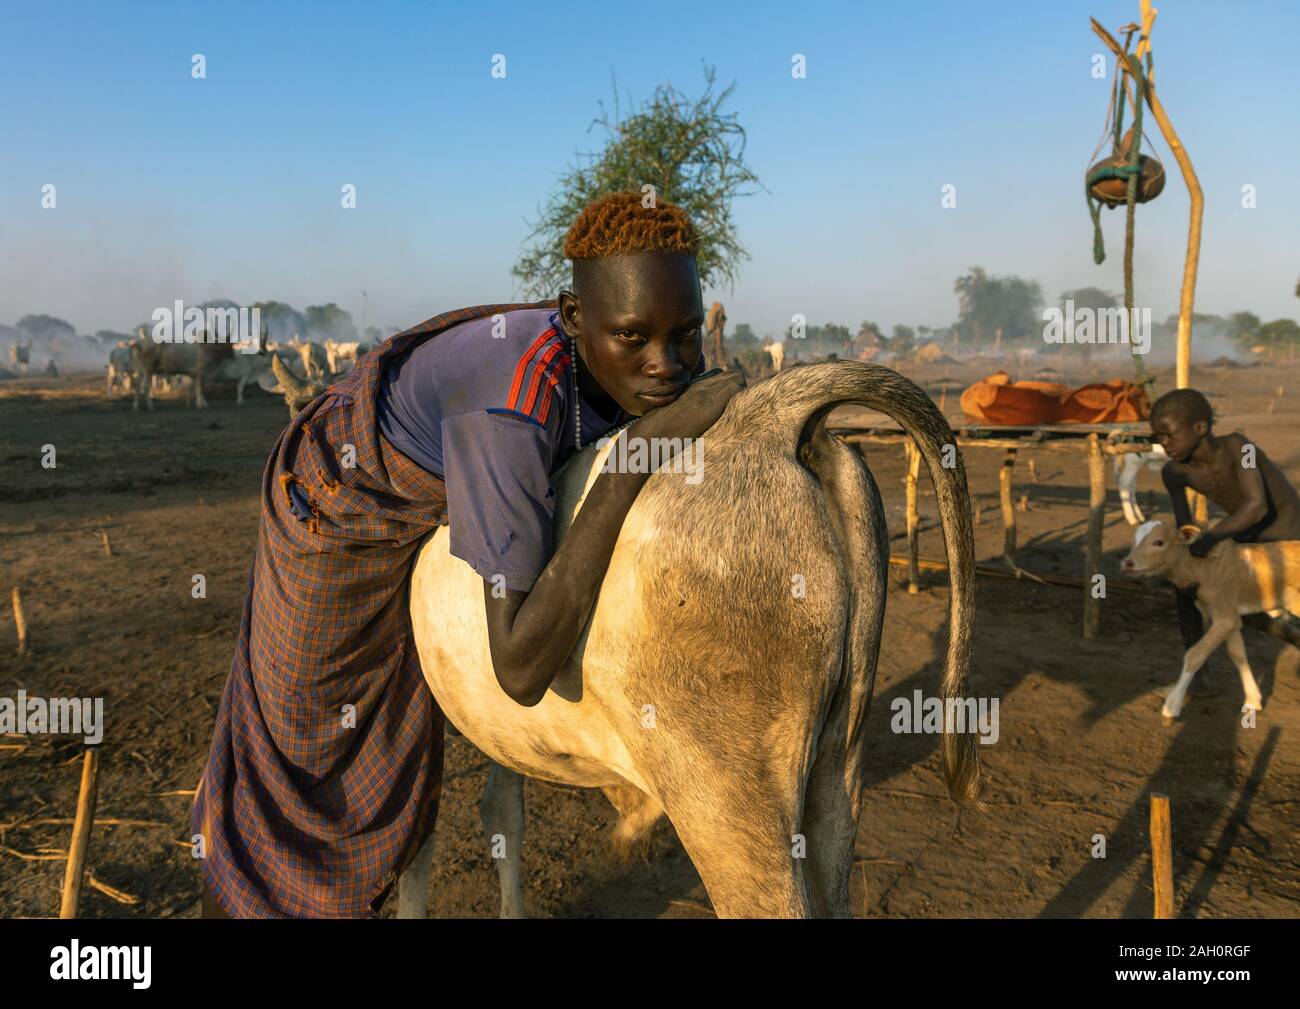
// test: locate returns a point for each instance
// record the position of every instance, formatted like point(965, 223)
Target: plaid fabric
point(326, 763)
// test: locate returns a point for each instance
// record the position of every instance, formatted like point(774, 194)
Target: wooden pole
point(20, 621)
point(1193, 256)
point(913, 518)
point(1096, 522)
point(80, 834)
point(1008, 511)
point(1162, 856)
point(103, 538)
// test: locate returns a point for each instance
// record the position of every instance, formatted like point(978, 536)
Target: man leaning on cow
point(324, 773)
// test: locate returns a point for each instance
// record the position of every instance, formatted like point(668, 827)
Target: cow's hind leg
point(746, 849)
point(413, 887)
point(501, 811)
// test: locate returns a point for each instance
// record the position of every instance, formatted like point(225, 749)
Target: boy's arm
point(530, 634)
point(1254, 507)
point(1176, 484)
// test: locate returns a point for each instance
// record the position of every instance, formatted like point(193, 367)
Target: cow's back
point(720, 621)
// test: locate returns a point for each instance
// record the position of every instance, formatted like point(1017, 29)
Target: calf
point(1235, 579)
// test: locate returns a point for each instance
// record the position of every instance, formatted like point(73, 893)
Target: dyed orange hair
point(618, 224)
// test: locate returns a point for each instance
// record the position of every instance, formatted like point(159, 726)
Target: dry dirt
point(1082, 745)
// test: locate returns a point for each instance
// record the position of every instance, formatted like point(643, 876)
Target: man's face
point(637, 321)
point(1177, 437)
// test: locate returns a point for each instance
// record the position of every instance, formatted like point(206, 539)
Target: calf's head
point(1158, 547)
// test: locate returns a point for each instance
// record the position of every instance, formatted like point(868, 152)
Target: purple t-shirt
point(488, 406)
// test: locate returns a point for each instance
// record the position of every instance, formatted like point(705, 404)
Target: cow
point(1127, 468)
point(776, 351)
point(315, 362)
point(340, 354)
point(119, 367)
point(20, 356)
point(725, 672)
point(198, 360)
point(715, 324)
point(1232, 580)
point(297, 393)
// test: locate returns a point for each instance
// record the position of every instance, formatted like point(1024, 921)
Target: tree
point(903, 339)
point(1243, 329)
point(1090, 297)
point(989, 304)
point(869, 335)
point(689, 150)
point(279, 320)
point(329, 322)
point(1279, 335)
point(744, 334)
point(46, 328)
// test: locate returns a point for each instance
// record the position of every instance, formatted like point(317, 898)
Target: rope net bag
point(1127, 177)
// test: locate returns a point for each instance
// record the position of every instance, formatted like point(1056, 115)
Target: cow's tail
point(811, 389)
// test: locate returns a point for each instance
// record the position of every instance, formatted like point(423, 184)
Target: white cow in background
point(1127, 468)
point(120, 375)
point(776, 351)
point(344, 356)
point(315, 363)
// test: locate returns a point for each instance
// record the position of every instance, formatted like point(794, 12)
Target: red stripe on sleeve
point(552, 380)
point(521, 369)
point(539, 369)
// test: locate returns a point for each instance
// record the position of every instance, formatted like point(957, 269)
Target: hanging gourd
point(1127, 174)
point(1110, 187)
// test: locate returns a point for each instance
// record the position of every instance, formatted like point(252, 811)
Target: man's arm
point(530, 634)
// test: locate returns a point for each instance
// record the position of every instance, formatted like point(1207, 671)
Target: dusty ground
point(1081, 745)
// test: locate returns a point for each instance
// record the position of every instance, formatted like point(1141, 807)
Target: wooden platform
point(1096, 441)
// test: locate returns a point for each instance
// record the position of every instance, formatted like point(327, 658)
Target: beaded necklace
point(577, 405)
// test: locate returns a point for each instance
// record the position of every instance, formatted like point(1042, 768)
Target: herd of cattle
point(136, 366)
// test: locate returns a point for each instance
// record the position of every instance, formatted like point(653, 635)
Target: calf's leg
point(1237, 652)
point(1193, 660)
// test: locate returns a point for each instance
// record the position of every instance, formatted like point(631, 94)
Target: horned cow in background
point(198, 360)
point(726, 670)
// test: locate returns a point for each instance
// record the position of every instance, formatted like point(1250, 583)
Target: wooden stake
point(103, 537)
point(913, 518)
point(1193, 256)
point(1008, 512)
point(20, 621)
point(1162, 856)
point(1199, 505)
point(1096, 522)
point(80, 834)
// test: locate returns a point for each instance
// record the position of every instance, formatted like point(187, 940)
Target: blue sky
point(170, 187)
